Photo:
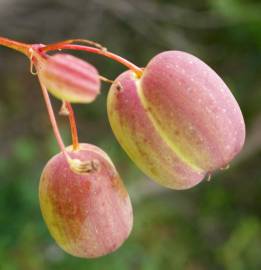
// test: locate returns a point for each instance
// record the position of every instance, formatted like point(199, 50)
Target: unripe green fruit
point(178, 122)
point(69, 78)
point(89, 214)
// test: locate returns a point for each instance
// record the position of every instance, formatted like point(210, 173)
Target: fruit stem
point(52, 118)
point(73, 126)
point(18, 46)
point(58, 46)
point(85, 41)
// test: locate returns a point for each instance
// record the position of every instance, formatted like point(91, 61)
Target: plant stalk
point(74, 132)
point(15, 45)
point(58, 46)
point(49, 107)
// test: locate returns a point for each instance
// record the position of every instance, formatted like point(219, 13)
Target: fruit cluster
point(175, 118)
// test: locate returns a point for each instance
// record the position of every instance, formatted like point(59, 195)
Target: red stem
point(52, 118)
point(106, 53)
point(73, 126)
point(18, 46)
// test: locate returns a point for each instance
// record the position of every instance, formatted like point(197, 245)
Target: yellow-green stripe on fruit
point(178, 121)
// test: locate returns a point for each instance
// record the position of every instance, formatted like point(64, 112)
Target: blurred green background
point(216, 225)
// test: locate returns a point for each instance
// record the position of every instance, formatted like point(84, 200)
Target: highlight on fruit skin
point(178, 122)
point(68, 77)
point(89, 214)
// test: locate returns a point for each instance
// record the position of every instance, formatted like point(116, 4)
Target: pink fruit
point(89, 214)
point(178, 122)
point(68, 77)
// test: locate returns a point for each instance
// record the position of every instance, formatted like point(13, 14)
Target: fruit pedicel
point(176, 119)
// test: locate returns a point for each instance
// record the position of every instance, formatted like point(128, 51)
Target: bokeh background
point(216, 225)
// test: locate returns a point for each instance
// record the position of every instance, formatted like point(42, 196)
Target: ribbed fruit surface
point(88, 214)
point(178, 122)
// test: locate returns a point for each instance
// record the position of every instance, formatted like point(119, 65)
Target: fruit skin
point(68, 77)
point(178, 122)
point(88, 214)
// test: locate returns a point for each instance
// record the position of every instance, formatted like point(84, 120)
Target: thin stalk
point(86, 41)
point(18, 46)
point(73, 126)
point(105, 53)
point(52, 118)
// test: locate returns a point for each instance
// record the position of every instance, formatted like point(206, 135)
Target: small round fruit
point(89, 214)
point(68, 77)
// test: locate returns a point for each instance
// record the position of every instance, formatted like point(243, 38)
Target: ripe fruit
point(178, 121)
point(68, 77)
point(88, 213)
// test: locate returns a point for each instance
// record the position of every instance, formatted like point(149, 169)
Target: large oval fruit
point(178, 122)
point(89, 214)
